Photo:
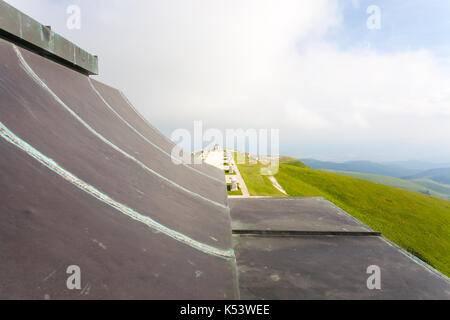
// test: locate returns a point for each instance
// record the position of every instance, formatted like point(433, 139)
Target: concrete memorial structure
point(85, 181)
point(89, 189)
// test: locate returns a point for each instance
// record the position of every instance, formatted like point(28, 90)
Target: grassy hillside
point(424, 186)
point(257, 184)
point(438, 187)
point(293, 162)
point(416, 222)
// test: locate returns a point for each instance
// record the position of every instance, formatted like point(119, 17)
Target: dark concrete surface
point(332, 267)
point(32, 114)
point(284, 251)
point(47, 223)
point(291, 214)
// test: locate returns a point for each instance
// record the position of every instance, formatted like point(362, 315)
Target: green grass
point(425, 186)
point(417, 222)
point(292, 162)
point(257, 184)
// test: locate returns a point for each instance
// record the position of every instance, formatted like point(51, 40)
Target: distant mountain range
point(390, 169)
point(419, 165)
point(441, 175)
point(411, 175)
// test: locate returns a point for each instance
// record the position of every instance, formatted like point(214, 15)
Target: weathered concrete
point(49, 221)
point(331, 268)
point(307, 248)
point(291, 214)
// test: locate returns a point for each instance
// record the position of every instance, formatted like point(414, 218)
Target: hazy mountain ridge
point(434, 181)
point(419, 165)
point(422, 185)
point(409, 170)
point(391, 170)
point(440, 175)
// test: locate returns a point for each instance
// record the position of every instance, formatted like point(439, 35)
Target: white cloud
point(181, 61)
point(302, 118)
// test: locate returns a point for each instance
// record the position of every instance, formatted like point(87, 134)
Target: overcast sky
point(336, 89)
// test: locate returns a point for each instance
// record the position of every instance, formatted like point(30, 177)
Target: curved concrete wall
point(85, 181)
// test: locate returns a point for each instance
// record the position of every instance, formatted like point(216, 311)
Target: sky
point(336, 89)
